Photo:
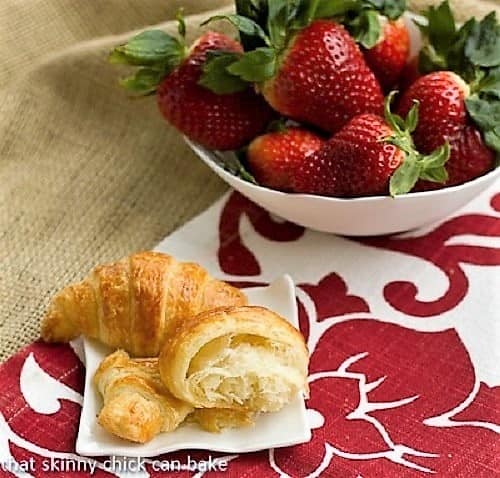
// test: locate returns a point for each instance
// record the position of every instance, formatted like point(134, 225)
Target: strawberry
point(461, 105)
point(308, 69)
point(371, 156)
point(274, 158)
point(217, 121)
point(388, 57)
point(443, 114)
point(469, 158)
point(323, 79)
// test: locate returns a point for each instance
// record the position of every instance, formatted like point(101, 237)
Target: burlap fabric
point(86, 175)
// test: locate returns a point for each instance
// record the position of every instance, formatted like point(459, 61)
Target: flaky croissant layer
point(137, 405)
point(242, 358)
point(135, 303)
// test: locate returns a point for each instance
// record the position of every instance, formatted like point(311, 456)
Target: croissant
point(135, 303)
point(216, 419)
point(137, 406)
point(242, 358)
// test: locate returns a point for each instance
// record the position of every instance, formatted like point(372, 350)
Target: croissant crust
point(135, 303)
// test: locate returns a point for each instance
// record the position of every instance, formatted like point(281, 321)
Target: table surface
point(403, 335)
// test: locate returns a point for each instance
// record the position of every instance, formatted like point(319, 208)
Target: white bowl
point(369, 216)
point(359, 216)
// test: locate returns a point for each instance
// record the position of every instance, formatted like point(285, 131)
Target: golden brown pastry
point(135, 303)
point(137, 406)
point(242, 358)
point(217, 419)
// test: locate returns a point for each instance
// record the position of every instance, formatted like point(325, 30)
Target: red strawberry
point(222, 122)
point(274, 158)
point(323, 78)
point(388, 57)
point(469, 158)
point(442, 110)
point(370, 156)
point(217, 121)
point(443, 117)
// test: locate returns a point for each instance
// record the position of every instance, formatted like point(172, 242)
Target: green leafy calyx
point(234, 163)
point(154, 53)
point(415, 166)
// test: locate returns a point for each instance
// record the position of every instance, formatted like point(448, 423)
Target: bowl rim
point(408, 196)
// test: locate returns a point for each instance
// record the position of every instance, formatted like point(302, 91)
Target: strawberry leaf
point(156, 52)
point(441, 28)
point(436, 175)
point(405, 177)
point(455, 58)
point(432, 167)
point(412, 117)
point(350, 9)
point(483, 44)
point(445, 48)
point(255, 66)
point(255, 10)
point(143, 82)
point(490, 83)
point(277, 22)
point(233, 164)
point(149, 48)
point(392, 9)
point(336, 8)
point(437, 158)
point(217, 78)
point(366, 28)
point(485, 112)
point(415, 167)
point(492, 139)
point(475, 45)
point(430, 60)
point(301, 13)
point(243, 24)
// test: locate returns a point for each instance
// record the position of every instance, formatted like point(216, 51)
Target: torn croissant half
point(242, 358)
point(137, 406)
point(135, 303)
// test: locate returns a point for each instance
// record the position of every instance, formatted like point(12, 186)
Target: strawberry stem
point(311, 11)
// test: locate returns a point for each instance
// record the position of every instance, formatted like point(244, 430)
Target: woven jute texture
point(86, 174)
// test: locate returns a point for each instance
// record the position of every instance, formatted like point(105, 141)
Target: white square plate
point(284, 428)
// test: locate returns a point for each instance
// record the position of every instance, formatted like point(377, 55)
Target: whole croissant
point(240, 358)
point(137, 406)
point(135, 303)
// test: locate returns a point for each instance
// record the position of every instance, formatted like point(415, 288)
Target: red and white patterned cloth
point(404, 335)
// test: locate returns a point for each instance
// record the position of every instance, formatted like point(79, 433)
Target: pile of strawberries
point(300, 96)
